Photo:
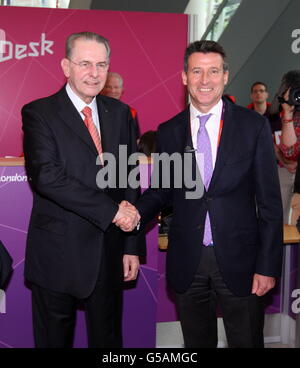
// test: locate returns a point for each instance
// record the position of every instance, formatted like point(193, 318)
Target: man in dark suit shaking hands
point(74, 250)
point(225, 246)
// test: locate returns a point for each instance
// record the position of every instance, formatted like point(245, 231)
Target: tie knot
point(203, 119)
point(87, 112)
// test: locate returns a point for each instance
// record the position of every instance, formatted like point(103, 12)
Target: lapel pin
point(189, 149)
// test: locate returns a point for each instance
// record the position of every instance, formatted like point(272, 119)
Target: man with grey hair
point(225, 247)
point(114, 87)
point(74, 250)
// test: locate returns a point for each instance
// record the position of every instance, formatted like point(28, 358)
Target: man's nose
point(204, 77)
point(94, 71)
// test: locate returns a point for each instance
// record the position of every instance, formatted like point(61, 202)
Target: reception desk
point(291, 235)
point(11, 161)
point(140, 300)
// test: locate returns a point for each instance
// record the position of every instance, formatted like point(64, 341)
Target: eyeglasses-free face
point(205, 79)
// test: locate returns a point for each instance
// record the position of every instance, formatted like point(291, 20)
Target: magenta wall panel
point(147, 50)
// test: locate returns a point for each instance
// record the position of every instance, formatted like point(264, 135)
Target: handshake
point(127, 217)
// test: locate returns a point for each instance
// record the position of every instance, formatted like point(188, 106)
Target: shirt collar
point(78, 102)
point(215, 110)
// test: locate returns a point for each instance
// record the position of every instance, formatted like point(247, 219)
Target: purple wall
point(294, 275)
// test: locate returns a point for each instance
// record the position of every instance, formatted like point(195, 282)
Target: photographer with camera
point(290, 103)
point(281, 116)
point(287, 103)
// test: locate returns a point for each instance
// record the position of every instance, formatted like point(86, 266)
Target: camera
point(294, 98)
point(290, 80)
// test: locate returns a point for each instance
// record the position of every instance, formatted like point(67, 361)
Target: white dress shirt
point(80, 105)
point(212, 126)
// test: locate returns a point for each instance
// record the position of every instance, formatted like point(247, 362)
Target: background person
point(288, 139)
point(114, 87)
point(290, 116)
point(259, 96)
point(286, 168)
point(147, 143)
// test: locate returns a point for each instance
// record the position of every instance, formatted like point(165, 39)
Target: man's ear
point(184, 77)
point(226, 77)
point(65, 65)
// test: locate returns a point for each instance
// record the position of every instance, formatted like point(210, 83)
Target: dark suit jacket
point(70, 233)
point(247, 239)
point(5, 265)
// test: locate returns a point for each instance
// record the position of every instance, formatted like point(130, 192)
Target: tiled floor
point(277, 346)
point(169, 335)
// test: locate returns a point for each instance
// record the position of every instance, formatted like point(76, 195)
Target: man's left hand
point(130, 266)
point(262, 284)
point(287, 109)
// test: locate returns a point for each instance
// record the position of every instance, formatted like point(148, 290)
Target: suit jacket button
point(200, 227)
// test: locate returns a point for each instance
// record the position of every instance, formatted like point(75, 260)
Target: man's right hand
point(127, 216)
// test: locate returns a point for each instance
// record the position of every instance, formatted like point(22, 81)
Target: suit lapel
point(110, 127)
point(226, 142)
point(72, 118)
point(184, 144)
point(182, 133)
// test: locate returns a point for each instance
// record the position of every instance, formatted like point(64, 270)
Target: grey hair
point(117, 75)
point(88, 36)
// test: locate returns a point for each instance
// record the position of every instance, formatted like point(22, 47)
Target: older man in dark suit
point(74, 250)
point(226, 245)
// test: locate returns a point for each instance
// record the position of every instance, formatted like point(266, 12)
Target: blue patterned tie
point(204, 149)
